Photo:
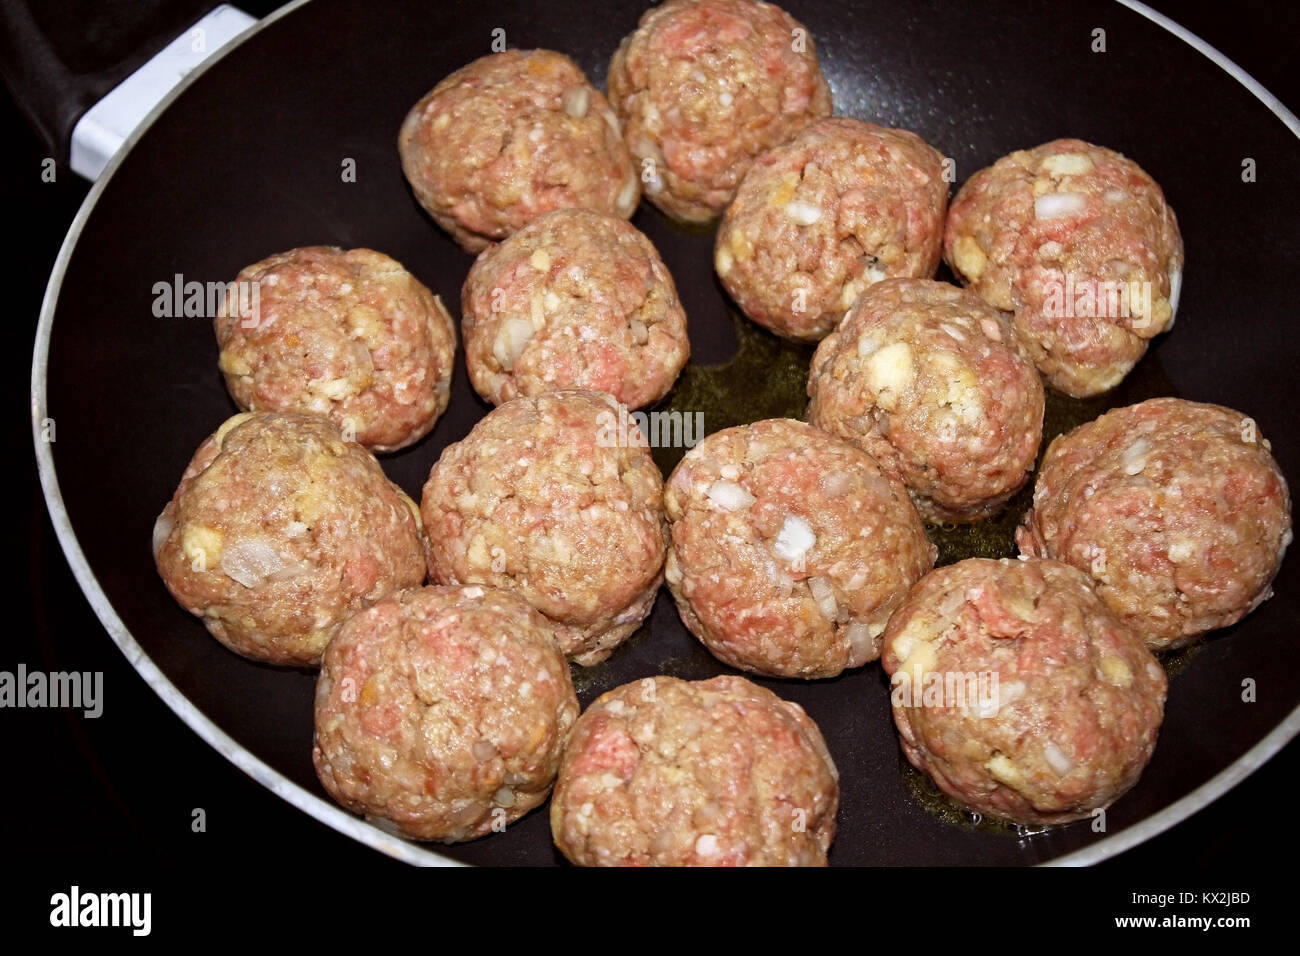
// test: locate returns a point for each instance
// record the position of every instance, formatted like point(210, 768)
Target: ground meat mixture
point(1080, 244)
point(704, 86)
point(721, 772)
point(279, 530)
point(789, 549)
point(1019, 692)
point(819, 219)
point(1176, 510)
point(935, 386)
point(539, 499)
point(575, 299)
point(350, 335)
point(443, 711)
point(509, 137)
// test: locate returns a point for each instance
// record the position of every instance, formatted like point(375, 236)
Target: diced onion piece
point(803, 213)
point(824, 595)
point(1134, 460)
point(512, 338)
point(729, 495)
point(250, 561)
point(1004, 771)
point(862, 645)
point(1067, 164)
point(575, 100)
point(1057, 758)
point(1055, 205)
point(795, 539)
point(722, 261)
point(626, 201)
point(888, 372)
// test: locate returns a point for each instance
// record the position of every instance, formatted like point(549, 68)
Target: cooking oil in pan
point(766, 378)
point(926, 794)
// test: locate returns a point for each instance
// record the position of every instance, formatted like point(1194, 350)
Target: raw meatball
point(575, 299)
point(509, 137)
point(443, 711)
point(934, 385)
point(789, 549)
point(279, 530)
point(1176, 509)
point(704, 86)
point(543, 499)
point(721, 772)
point(1079, 243)
point(349, 335)
point(842, 205)
point(1018, 691)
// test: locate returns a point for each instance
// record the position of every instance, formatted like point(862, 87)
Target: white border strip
point(351, 826)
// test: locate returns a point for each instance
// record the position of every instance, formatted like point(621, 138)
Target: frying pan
point(245, 159)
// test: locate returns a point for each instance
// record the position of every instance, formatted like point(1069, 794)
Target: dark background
point(86, 798)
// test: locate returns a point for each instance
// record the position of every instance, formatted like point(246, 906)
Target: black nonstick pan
point(247, 159)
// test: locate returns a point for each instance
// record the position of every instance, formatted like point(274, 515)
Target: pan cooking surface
point(248, 161)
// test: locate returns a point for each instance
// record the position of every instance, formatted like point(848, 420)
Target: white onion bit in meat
point(1055, 205)
point(250, 561)
point(626, 201)
point(729, 495)
point(512, 338)
point(1067, 164)
point(824, 595)
point(803, 213)
point(780, 581)
point(1134, 460)
point(1057, 758)
point(575, 101)
point(795, 539)
point(991, 329)
point(861, 643)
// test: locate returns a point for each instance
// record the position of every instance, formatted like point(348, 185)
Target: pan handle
point(86, 72)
